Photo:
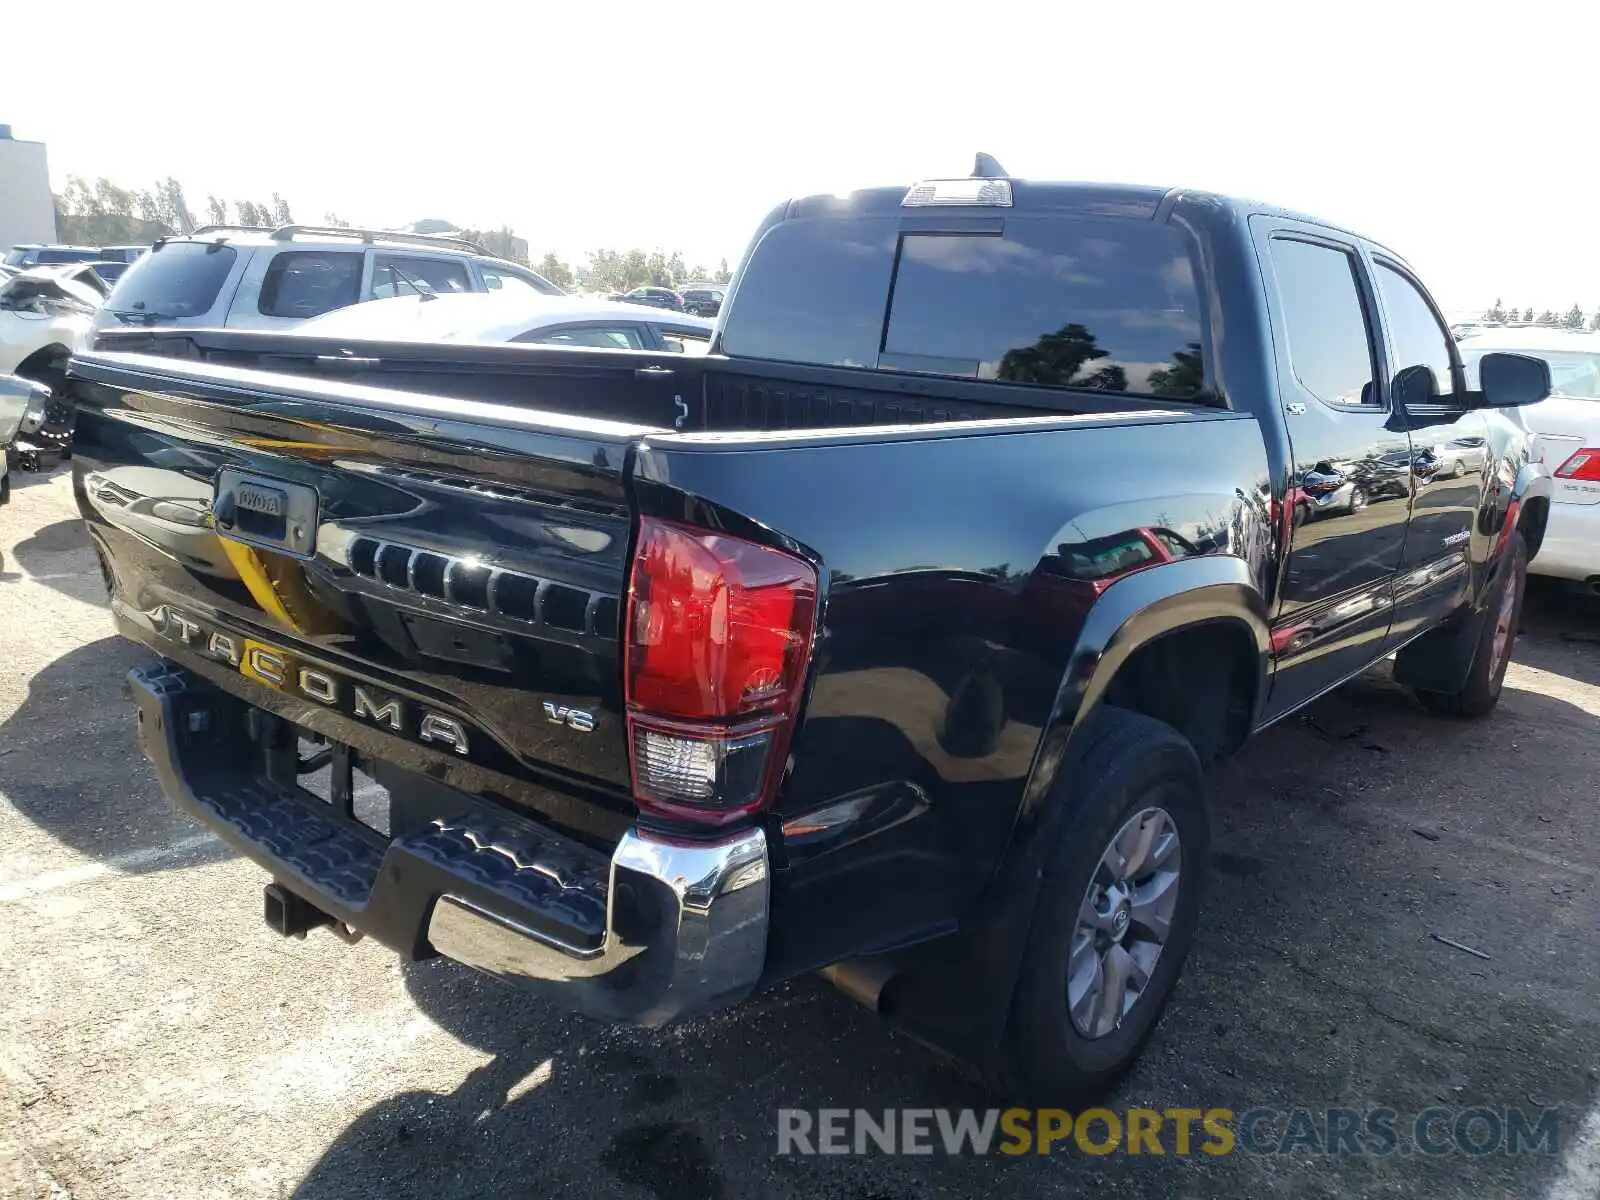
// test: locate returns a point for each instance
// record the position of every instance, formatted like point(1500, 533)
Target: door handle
point(652, 373)
point(1295, 410)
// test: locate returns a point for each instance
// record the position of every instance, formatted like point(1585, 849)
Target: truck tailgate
point(436, 582)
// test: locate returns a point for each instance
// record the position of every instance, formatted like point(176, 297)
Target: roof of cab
point(1134, 201)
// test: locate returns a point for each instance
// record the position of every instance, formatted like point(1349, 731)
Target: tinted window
point(181, 279)
point(1069, 302)
point(399, 275)
point(308, 283)
point(1107, 305)
point(1418, 338)
point(1329, 347)
point(622, 337)
point(814, 292)
point(66, 256)
point(514, 283)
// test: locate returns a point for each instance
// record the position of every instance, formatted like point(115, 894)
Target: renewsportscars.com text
point(1377, 1132)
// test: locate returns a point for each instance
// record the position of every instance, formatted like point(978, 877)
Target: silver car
point(248, 278)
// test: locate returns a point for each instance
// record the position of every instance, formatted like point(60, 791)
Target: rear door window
point(1330, 349)
point(1104, 304)
point(179, 279)
point(407, 275)
point(308, 283)
point(609, 337)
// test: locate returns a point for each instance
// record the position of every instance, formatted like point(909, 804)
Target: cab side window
point(1330, 347)
point(1421, 346)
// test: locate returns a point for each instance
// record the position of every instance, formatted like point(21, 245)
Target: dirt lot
point(156, 1040)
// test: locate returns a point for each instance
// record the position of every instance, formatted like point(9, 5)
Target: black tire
point(1481, 691)
point(1132, 762)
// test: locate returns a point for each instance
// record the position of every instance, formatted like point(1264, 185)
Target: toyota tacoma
point(889, 640)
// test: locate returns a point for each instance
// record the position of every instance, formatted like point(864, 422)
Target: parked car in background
point(108, 271)
point(1566, 430)
point(656, 297)
point(703, 301)
point(122, 254)
point(27, 438)
point(44, 313)
point(247, 278)
point(35, 255)
point(547, 320)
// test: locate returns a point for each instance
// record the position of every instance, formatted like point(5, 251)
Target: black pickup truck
point(888, 641)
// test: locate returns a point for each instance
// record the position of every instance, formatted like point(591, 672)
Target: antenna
point(987, 168)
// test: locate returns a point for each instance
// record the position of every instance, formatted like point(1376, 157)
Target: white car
point(1567, 439)
point(22, 410)
point(547, 320)
point(44, 313)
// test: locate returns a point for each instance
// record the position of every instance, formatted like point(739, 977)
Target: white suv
point(249, 278)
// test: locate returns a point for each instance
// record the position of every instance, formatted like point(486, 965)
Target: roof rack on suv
point(286, 232)
point(221, 229)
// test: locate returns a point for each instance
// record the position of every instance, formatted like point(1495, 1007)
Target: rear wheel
point(1496, 639)
point(1115, 915)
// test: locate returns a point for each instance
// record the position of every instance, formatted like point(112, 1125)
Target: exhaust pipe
point(863, 980)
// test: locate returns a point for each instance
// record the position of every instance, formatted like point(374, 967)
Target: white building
point(27, 211)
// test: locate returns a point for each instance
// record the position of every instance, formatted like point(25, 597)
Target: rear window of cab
point(1105, 304)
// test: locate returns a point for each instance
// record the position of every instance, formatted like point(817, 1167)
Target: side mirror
point(1510, 380)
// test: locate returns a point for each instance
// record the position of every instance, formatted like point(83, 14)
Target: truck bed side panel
point(959, 569)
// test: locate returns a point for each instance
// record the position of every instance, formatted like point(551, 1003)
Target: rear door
point(1349, 493)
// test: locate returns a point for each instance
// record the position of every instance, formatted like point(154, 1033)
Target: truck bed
point(663, 391)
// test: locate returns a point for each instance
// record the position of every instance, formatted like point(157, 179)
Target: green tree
point(557, 272)
point(1527, 316)
point(103, 214)
point(280, 211)
point(502, 243)
point(216, 211)
point(1547, 317)
point(1574, 318)
point(723, 274)
point(1496, 313)
point(1595, 324)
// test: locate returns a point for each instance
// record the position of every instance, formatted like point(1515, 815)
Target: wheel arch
point(1212, 599)
point(52, 355)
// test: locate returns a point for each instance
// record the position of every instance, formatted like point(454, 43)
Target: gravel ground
point(155, 1040)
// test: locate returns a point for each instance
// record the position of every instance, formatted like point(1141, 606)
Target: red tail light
point(1585, 465)
point(718, 638)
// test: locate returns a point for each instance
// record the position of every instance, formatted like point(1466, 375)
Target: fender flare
point(1533, 482)
point(1131, 613)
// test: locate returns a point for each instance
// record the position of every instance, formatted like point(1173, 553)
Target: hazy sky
point(1463, 136)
